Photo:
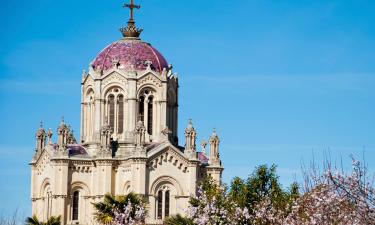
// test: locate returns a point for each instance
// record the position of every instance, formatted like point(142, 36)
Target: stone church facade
point(128, 140)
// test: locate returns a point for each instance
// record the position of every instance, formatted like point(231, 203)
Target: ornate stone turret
point(105, 140)
point(63, 133)
point(190, 138)
point(71, 139)
point(40, 136)
point(214, 150)
point(139, 134)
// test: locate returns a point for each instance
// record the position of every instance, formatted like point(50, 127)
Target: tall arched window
point(150, 115)
point(146, 109)
point(88, 114)
point(141, 108)
point(166, 204)
point(120, 121)
point(160, 204)
point(47, 202)
point(111, 112)
point(115, 110)
point(75, 204)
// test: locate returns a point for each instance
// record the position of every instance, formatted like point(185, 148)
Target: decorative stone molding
point(169, 157)
point(114, 77)
point(59, 196)
point(149, 79)
point(166, 179)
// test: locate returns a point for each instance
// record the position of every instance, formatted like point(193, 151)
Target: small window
point(75, 205)
point(160, 205)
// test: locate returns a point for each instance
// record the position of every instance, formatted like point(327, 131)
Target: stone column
point(97, 118)
point(132, 102)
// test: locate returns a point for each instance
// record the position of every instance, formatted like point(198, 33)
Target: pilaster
point(60, 193)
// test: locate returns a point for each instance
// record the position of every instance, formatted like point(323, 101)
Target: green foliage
point(262, 184)
point(212, 191)
point(53, 220)
point(178, 220)
point(104, 209)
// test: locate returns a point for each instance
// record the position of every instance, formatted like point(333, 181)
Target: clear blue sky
point(278, 79)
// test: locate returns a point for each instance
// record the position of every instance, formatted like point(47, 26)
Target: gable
point(167, 154)
point(149, 78)
point(114, 77)
point(42, 161)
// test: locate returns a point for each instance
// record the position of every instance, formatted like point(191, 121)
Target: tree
point(53, 220)
point(178, 220)
point(334, 197)
point(212, 206)
point(263, 196)
point(126, 209)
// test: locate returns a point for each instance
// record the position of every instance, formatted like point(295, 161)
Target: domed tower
point(128, 140)
point(127, 82)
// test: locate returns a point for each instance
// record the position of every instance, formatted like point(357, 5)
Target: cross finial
point(131, 31)
point(131, 6)
point(41, 124)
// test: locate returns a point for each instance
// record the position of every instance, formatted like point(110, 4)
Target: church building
point(128, 140)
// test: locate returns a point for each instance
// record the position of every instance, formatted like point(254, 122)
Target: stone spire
point(131, 31)
point(214, 150)
point(71, 139)
point(40, 137)
point(190, 136)
point(62, 136)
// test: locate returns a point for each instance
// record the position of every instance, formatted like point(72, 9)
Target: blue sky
point(280, 80)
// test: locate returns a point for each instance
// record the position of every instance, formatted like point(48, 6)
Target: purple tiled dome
point(126, 54)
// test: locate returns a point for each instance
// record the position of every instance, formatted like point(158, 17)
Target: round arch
point(165, 180)
point(144, 87)
point(46, 182)
point(111, 86)
point(127, 188)
point(78, 185)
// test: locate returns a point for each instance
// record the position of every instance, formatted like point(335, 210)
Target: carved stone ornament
point(112, 78)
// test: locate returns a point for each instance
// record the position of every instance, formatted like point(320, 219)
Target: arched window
point(166, 204)
point(146, 109)
point(141, 108)
point(150, 115)
point(88, 114)
point(47, 202)
point(111, 111)
point(75, 205)
point(160, 204)
point(120, 126)
point(115, 110)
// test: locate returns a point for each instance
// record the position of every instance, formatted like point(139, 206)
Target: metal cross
point(131, 6)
